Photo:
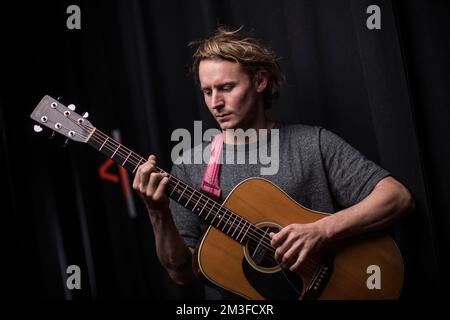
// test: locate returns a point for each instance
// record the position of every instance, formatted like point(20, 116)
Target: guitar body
point(354, 264)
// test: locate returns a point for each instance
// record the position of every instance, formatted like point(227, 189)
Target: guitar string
point(265, 239)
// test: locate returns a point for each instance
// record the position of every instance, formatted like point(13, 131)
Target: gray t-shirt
point(316, 168)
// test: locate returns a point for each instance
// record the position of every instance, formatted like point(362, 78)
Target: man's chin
point(227, 125)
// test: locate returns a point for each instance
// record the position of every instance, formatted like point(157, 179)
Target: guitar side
point(220, 258)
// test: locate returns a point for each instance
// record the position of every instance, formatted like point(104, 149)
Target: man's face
point(229, 94)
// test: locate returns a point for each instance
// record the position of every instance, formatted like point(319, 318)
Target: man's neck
point(231, 136)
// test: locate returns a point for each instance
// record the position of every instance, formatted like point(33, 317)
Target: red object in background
point(114, 178)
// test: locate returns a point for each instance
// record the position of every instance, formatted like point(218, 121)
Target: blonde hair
point(242, 48)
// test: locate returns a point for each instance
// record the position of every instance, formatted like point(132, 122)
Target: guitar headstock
point(61, 119)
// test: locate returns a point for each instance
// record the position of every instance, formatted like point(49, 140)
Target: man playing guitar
point(240, 79)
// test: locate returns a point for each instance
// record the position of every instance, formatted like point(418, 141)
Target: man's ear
point(261, 80)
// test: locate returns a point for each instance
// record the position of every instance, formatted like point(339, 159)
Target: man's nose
point(217, 100)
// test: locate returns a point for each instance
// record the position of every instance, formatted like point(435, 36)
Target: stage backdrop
point(383, 90)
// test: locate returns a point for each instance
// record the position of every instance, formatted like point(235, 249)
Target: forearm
point(172, 252)
point(389, 201)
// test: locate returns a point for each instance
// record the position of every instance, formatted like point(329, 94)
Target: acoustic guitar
point(235, 252)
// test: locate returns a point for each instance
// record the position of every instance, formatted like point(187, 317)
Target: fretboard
point(209, 210)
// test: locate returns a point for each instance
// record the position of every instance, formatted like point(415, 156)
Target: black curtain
point(385, 91)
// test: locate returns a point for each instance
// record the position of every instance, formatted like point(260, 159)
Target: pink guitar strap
point(210, 181)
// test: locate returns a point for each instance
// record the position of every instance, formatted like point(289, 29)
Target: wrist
point(159, 215)
point(328, 227)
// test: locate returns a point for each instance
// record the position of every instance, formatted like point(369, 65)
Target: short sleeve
point(351, 175)
point(187, 223)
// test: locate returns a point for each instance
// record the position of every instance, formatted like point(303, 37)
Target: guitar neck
point(210, 211)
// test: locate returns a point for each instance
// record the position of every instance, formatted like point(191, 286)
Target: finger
point(145, 172)
point(136, 182)
point(278, 238)
point(284, 247)
point(301, 258)
point(160, 191)
point(152, 184)
point(292, 252)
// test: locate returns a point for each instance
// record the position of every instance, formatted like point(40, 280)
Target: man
point(240, 79)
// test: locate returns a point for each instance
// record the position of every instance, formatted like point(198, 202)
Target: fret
point(174, 188)
point(207, 199)
point(189, 198)
point(209, 212)
point(139, 163)
point(115, 151)
point(215, 216)
point(240, 230)
point(182, 194)
point(221, 217)
point(229, 216)
point(235, 218)
point(196, 202)
point(123, 163)
point(245, 233)
point(107, 138)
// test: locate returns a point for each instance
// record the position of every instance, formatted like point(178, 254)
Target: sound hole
point(259, 248)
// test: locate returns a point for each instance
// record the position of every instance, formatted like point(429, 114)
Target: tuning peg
point(66, 143)
point(59, 98)
point(37, 128)
point(71, 107)
point(52, 135)
point(85, 115)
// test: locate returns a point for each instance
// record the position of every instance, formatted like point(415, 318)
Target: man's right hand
point(151, 185)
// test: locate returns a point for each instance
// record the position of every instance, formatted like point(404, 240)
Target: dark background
point(385, 91)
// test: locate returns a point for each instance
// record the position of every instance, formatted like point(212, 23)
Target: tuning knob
point(37, 128)
point(85, 115)
point(71, 107)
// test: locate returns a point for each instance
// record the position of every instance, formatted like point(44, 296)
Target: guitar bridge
point(320, 278)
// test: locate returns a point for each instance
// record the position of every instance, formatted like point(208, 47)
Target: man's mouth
point(222, 116)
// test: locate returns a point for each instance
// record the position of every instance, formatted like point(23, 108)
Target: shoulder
point(300, 133)
point(298, 128)
point(308, 132)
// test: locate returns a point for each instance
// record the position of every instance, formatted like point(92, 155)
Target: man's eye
point(227, 88)
point(207, 93)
